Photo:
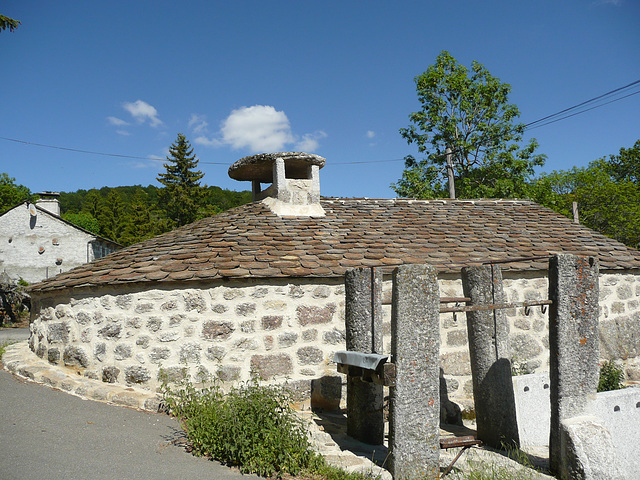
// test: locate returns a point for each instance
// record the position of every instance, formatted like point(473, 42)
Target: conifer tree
point(182, 194)
point(139, 225)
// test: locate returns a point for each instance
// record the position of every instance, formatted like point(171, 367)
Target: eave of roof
point(59, 218)
point(251, 242)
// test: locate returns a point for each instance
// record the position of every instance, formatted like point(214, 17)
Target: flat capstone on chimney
point(294, 179)
point(49, 201)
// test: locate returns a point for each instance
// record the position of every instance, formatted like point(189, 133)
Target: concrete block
point(620, 413)
point(588, 452)
point(533, 409)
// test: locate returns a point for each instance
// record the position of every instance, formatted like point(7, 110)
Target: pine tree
point(182, 194)
point(139, 225)
point(112, 216)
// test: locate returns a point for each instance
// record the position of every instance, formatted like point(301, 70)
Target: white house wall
point(38, 248)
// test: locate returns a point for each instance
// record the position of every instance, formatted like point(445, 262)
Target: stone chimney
point(49, 202)
point(294, 179)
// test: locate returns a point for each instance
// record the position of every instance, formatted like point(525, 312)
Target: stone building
point(259, 289)
point(36, 243)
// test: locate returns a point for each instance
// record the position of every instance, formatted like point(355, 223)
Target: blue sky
point(333, 78)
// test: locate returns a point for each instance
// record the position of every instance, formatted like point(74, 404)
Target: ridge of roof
point(58, 217)
point(252, 242)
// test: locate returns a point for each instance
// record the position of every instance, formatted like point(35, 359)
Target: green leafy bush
point(252, 427)
point(611, 377)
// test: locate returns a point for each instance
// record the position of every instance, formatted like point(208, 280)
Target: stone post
point(363, 319)
point(280, 180)
point(488, 332)
point(414, 423)
point(573, 342)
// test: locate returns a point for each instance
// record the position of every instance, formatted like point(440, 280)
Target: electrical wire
point(116, 155)
point(553, 117)
point(582, 107)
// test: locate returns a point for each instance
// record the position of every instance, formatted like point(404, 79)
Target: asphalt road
point(48, 434)
point(13, 334)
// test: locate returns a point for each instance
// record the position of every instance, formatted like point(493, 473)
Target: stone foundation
point(286, 329)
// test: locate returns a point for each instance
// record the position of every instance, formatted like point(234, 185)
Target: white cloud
point(118, 122)
point(310, 141)
point(260, 128)
point(143, 112)
point(123, 133)
point(370, 134)
point(606, 2)
point(198, 123)
point(207, 142)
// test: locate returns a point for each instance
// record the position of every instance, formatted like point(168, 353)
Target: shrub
point(252, 427)
point(611, 377)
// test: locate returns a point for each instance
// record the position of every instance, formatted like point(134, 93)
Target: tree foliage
point(141, 214)
point(183, 194)
point(607, 193)
point(83, 220)
point(467, 112)
point(12, 194)
point(8, 23)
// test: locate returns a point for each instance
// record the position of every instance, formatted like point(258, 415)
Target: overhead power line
point(611, 96)
point(591, 104)
point(77, 150)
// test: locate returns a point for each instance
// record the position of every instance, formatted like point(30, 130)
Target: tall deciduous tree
point(12, 194)
point(182, 195)
point(467, 130)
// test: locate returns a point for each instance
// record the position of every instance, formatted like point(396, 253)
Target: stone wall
point(231, 329)
point(286, 329)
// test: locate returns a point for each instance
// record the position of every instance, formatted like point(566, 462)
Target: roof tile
point(250, 241)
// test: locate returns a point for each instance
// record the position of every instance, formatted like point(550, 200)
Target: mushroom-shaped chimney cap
point(260, 167)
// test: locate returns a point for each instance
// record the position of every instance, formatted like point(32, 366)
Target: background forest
point(132, 214)
point(127, 214)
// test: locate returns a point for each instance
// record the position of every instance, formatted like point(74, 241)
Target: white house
point(36, 243)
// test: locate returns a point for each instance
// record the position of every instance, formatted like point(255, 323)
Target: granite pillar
point(363, 321)
point(414, 423)
point(573, 343)
point(488, 332)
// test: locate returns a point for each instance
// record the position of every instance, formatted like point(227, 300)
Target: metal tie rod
point(497, 306)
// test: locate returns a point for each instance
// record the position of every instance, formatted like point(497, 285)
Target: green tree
point(92, 203)
point(605, 203)
point(182, 195)
point(467, 130)
point(112, 217)
point(626, 165)
point(12, 194)
point(83, 220)
point(139, 225)
point(10, 23)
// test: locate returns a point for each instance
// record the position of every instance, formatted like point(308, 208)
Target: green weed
point(611, 377)
point(3, 348)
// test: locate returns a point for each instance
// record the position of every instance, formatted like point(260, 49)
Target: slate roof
point(251, 241)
